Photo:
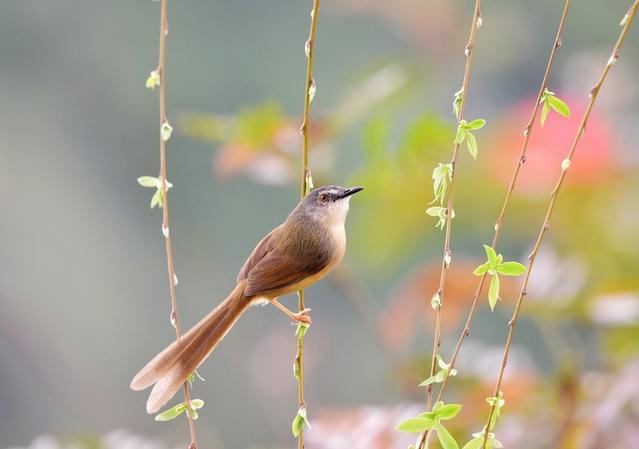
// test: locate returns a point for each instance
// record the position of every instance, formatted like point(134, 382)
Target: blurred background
point(84, 299)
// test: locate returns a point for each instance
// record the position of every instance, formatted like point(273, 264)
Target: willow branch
point(306, 184)
point(565, 166)
point(476, 22)
point(175, 318)
point(511, 187)
point(500, 220)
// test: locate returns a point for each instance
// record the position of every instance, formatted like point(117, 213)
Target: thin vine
point(511, 187)
point(157, 78)
point(497, 401)
point(301, 419)
point(446, 214)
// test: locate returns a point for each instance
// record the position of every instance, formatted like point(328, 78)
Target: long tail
point(170, 368)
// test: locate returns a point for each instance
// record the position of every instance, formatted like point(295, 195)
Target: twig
point(449, 207)
point(175, 319)
point(499, 222)
point(565, 165)
point(306, 183)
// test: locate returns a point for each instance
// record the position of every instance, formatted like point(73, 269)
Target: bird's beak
point(352, 191)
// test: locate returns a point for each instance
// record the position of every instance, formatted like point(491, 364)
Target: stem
point(500, 219)
point(175, 318)
point(594, 92)
point(449, 207)
point(306, 176)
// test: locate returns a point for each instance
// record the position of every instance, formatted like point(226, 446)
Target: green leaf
point(457, 103)
point(461, 132)
point(544, 112)
point(172, 413)
point(416, 425)
point(149, 181)
point(298, 425)
point(445, 438)
point(302, 329)
point(448, 411)
point(475, 443)
point(436, 301)
point(482, 269)
point(476, 124)
point(197, 404)
point(511, 269)
point(493, 292)
point(153, 80)
point(166, 131)
point(435, 211)
point(156, 199)
point(299, 422)
point(436, 378)
point(491, 255)
point(471, 143)
point(558, 105)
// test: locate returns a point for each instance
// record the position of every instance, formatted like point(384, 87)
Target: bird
point(306, 247)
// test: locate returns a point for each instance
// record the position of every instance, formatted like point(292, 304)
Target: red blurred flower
point(594, 160)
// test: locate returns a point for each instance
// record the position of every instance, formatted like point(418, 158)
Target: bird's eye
point(323, 198)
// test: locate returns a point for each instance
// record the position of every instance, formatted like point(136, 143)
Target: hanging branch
point(157, 78)
point(301, 420)
point(446, 214)
point(511, 187)
point(496, 401)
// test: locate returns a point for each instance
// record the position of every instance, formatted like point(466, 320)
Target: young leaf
point(475, 443)
point(153, 80)
point(511, 269)
point(493, 292)
point(297, 426)
point(476, 124)
point(491, 255)
point(166, 131)
point(156, 199)
point(448, 411)
point(482, 269)
point(300, 422)
point(437, 378)
point(461, 132)
point(558, 105)
point(197, 404)
point(416, 425)
point(457, 103)
point(172, 413)
point(445, 438)
point(302, 329)
point(471, 143)
point(544, 112)
point(149, 181)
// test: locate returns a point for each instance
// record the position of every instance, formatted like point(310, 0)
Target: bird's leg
point(301, 317)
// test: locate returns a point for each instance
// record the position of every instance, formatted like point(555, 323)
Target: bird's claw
point(303, 316)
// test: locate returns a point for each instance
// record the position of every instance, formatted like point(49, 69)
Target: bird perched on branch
point(294, 255)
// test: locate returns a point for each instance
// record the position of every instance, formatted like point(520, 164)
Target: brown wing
point(283, 258)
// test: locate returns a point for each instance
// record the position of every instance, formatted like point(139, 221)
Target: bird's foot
point(303, 316)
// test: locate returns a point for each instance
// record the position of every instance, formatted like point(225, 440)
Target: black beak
point(352, 191)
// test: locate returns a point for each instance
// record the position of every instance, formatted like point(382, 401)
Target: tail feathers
point(171, 367)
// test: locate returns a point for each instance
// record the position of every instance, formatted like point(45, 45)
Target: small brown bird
point(296, 254)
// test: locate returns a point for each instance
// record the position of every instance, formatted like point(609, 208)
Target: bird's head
point(329, 203)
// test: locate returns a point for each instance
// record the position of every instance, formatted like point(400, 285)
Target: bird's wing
point(276, 264)
point(264, 247)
